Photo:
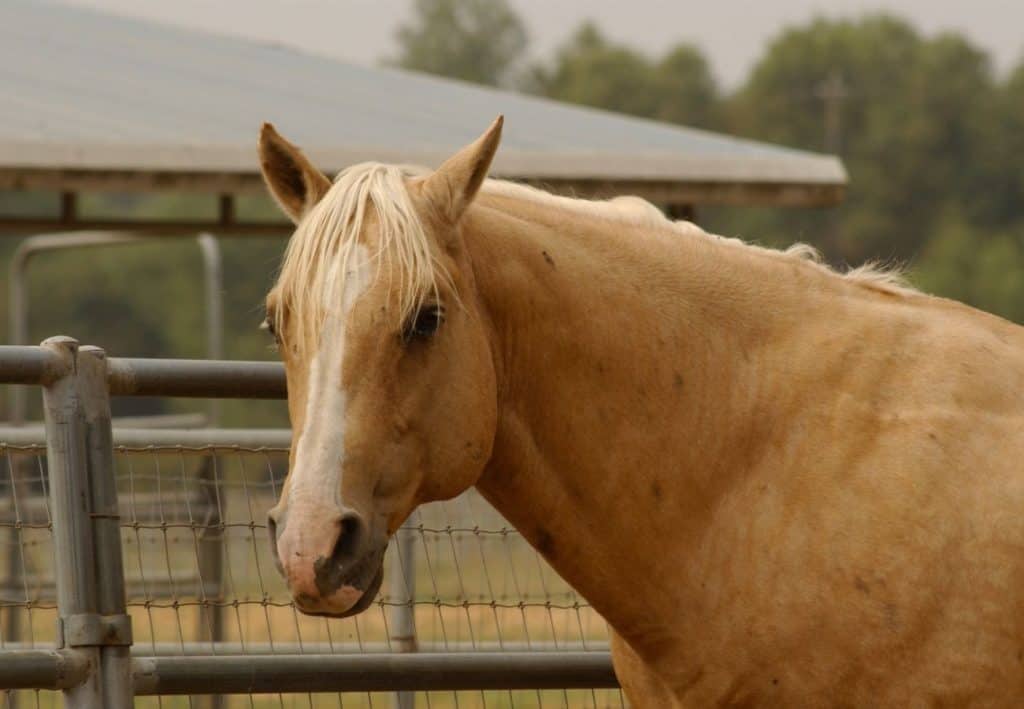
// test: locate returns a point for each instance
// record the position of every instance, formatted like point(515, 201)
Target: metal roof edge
point(643, 166)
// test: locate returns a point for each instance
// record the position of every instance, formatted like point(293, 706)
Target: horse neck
point(631, 394)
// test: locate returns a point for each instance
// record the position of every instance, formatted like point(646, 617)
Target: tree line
point(932, 139)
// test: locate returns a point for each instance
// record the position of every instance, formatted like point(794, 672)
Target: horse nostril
point(351, 533)
point(272, 533)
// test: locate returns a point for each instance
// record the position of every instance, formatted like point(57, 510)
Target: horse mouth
point(364, 577)
point(368, 595)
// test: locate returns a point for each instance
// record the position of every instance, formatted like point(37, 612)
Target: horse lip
point(330, 576)
point(368, 595)
point(365, 575)
point(372, 588)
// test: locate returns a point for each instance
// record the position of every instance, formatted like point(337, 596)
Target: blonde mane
point(319, 255)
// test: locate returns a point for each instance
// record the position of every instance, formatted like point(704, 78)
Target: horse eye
point(268, 325)
point(425, 324)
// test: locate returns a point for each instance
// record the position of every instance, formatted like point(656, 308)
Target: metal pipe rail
point(221, 379)
point(385, 672)
point(273, 674)
point(42, 669)
point(22, 364)
point(128, 376)
point(233, 647)
point(188, 439)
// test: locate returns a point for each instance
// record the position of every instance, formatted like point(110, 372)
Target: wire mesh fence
point(200, 579)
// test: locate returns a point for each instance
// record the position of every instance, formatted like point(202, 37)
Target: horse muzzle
point(330, 560)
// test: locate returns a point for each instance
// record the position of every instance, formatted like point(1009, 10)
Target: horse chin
point(367, 598)
point(358, 606)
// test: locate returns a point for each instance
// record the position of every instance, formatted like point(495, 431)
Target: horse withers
point(780, 485)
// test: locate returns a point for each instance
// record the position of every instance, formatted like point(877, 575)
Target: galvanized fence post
point(403, 614)
point(211, 540)
point(89, 570)
point(116, 639)
point(74, 572)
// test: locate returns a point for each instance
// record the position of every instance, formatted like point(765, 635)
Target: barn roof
point(98, 101)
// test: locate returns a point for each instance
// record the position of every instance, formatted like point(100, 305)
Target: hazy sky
point(731, 32)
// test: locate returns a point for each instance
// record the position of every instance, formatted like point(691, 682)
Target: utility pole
point(832, 92)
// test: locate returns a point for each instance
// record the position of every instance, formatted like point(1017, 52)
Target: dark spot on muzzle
point(369, 593)
point(331, 574)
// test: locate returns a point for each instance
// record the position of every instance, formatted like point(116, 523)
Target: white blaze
point(321, 445)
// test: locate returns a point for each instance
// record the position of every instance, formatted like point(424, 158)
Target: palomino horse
point(780, 485)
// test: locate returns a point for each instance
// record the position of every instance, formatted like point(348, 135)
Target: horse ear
point(452, 187)
point(293, 181)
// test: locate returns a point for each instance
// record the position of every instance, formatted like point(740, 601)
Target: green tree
point(983, 270)
point(689, 92)
point(1005, 154)
point(473, 40)
point(914, 115)
point(591, 70)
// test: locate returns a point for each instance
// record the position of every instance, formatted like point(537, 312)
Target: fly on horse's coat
point(782, 486)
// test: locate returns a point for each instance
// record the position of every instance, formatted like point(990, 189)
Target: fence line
point(302, 673)
point(452, 622)
point(142, 440)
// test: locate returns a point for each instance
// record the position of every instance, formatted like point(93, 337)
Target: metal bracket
point(94, 630)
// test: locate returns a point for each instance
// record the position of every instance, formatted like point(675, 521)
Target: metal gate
point(468, 605)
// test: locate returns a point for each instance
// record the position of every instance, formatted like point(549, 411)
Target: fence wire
point(200, 579)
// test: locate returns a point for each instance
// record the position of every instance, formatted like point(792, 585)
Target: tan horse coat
point(779, 485)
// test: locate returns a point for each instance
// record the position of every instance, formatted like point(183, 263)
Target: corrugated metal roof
point(82, 90)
